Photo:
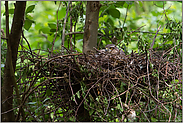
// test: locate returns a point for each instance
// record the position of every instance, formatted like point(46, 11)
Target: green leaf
point(110, 21)
point(100, 110)
point(52, 25)
point(155, 13)
point(128, 4)
point(120, 3)
point(30, 9)
point(91, 111)
point(114, 13)
point(61, 13)
point(45, 30)
point(124, 28)
point(27, 24)
point(119, 107)
point(29, 17)
point(72, 118)
point(48, 92)
point(153, 119)
point(78, 94)
point(140, 3)
point(11, 11)
point(52, 30)
point(38, 26)
point(160, 3)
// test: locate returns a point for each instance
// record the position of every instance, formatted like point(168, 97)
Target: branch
point(125, 16)
point(63, 32)
point(73, 33)
point(71, 24)
point(7, 20)
point(155, 38)
point(87, 94)
point(56, 29)
point(13, 40)
point(27, 43)
point(131, 33)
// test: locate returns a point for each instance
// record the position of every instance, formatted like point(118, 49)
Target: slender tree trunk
point(89, 41)
point(91, 26)
point(8, 79)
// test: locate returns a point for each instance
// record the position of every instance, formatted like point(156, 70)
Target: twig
point(118, 94)
point(56, 28)
point(71, 86)
point(131, 33)
point(71, 24)
point(123, 92)
point(63, 32)
point(155, 38)
point(71, 33)
point(24, 98)
point(27, 43)
point(87, 94)
point(125, 16)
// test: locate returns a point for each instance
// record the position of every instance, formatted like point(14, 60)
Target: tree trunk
point(8, 79)
point(89, 41)
point(91, 26)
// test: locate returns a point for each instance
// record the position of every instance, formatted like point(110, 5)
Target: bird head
point(111, 48)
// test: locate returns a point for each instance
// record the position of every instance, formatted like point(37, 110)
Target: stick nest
point(66, 83)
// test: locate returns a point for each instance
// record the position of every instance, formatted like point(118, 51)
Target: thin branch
point(56, 29)
point(117, 93)
point(73, 33)
point(155, 38)
point(87, 94)
point(7, 19)
point(27, 43)
point(71, 24)
point(125, 15)
point(71, 86)
point(131, 33)
point(63, 32)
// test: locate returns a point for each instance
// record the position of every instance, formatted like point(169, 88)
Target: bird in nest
point(111, 48)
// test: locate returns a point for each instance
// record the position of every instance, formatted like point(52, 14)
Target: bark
point(91, 26)
point(9, 79)
point(89, 41)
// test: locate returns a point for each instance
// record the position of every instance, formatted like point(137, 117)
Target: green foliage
point(30, 9)
point(11, 11)
point(114, 13)
point(29, 20)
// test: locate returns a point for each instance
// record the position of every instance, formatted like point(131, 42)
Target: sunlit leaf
point(27, 24)
point(160, 3)
point(11, 11)
point(45, 30)
point(30, 9)
point(61, 13)
point(114, 13)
